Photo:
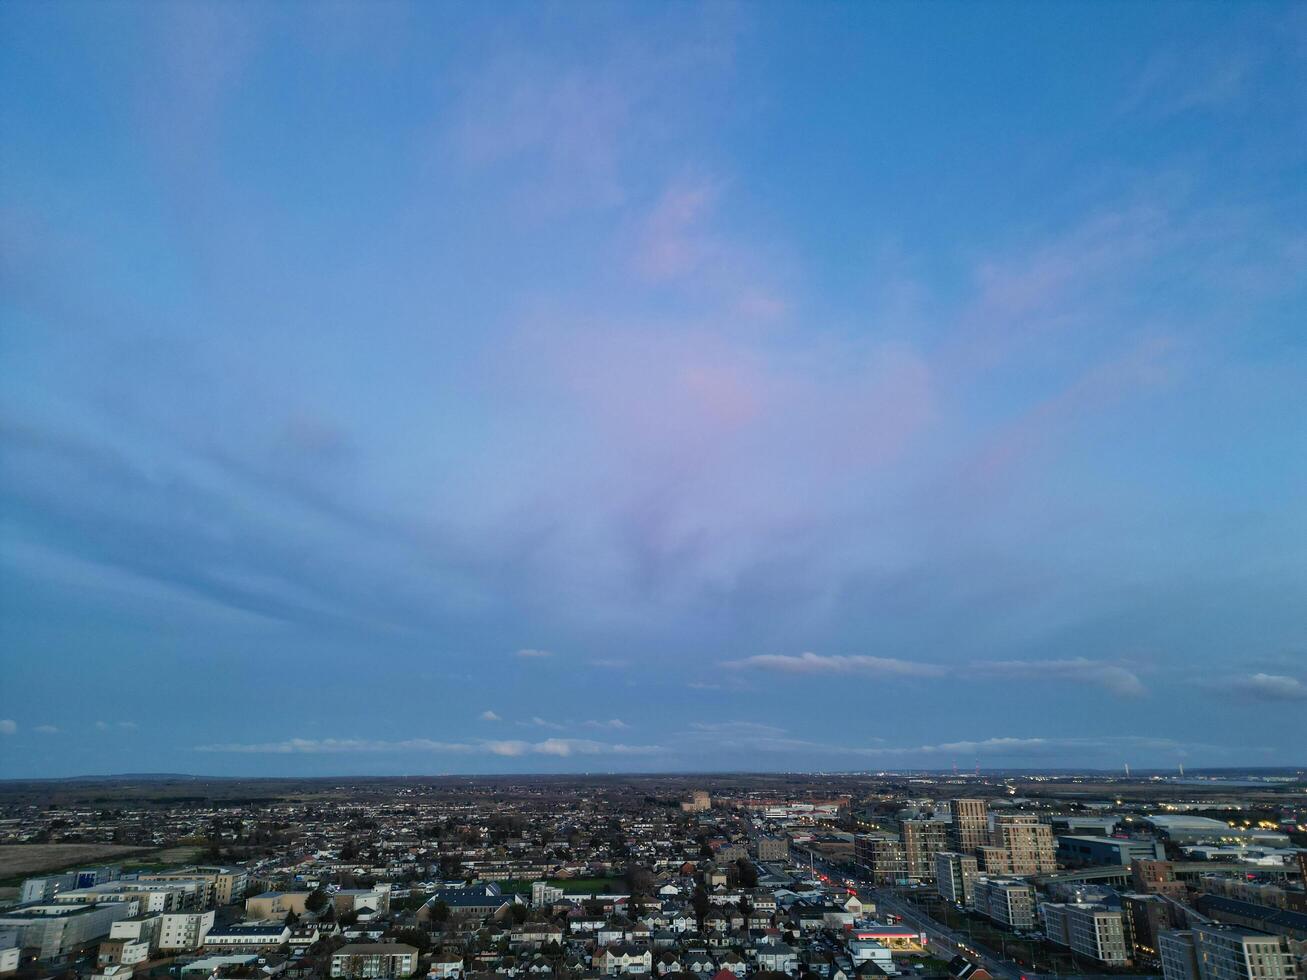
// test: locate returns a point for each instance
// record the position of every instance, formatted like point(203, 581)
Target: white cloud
point(811, 663)
point(1113, 677)
point(735, 728)
point(105, 726)
point(8, 726)
point(612, 723)
point(489, 715)
point(46, 729)
point(529, 653)
point(610, 662)
point(1269, 687)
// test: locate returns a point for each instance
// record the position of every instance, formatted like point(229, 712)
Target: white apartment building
point(184, 930)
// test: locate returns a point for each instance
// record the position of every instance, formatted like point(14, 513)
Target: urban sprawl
point(745, 878)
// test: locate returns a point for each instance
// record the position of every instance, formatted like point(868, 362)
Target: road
point(944, 942)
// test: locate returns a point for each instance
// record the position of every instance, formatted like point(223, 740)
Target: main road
point(943, 941)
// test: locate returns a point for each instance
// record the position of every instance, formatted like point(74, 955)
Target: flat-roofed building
point(1028, 842)
point(922, 840)
point(368, 960)
point(1094, 931)
point(1008, 901)
point(882, 857)
point(55, 929)
point(954, 874)
point(969, 825)
point(1081, 852)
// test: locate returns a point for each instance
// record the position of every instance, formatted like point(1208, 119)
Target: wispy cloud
point(812, 663)
point(614, 724)
point(127, 726)
point(46, 729)
point(1112, 677)
point(530, 653)
point(331, 746)
point(8, 726)
point(489, 715)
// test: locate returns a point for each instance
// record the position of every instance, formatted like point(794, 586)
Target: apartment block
point(370, 960)
point(954, 875)
point(969, 826)
point(1093, 931)
point(882, 857)
point(184, 930)
point(1028, 843)
point(1216, 952)
point(1007, 901)
point(922, 840)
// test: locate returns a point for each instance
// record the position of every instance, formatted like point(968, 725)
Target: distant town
point(822, 877)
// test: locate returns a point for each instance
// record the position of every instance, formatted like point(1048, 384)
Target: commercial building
point(969, 826)
point(1007, 901)
point(1094, 931)
point(1185, 829)
point(773, 848)
point(954, 874)
point(1082, 852)
point(374, 960)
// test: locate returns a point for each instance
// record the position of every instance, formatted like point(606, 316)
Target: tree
point(518, 912)
point(701, 904)
point(440, 911)
point(640, 880)
point(317, 901)
point(746, 873)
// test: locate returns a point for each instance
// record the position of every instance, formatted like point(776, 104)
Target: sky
point(435, 388)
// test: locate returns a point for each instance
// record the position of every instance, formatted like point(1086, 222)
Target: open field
point(17, 860)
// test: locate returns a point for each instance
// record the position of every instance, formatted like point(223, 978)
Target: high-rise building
point(1028, 842)
point(922, 840)
point(970, 825)
point(882, 856)
point(954, 874)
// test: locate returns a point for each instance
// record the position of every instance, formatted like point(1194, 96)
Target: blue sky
point(440, 388)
